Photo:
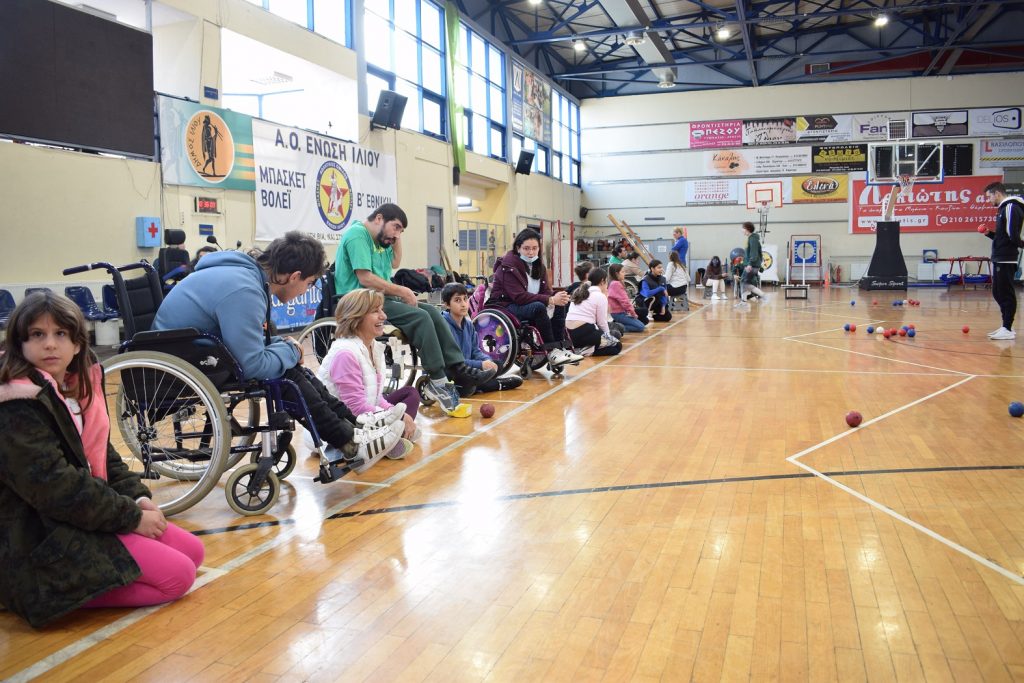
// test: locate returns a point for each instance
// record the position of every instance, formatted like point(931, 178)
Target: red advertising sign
point(956, 205)
point(716, 134)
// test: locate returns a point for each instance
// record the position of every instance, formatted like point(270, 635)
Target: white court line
point(798, 370)
point(795, 459)
point(871, 355)
point(96, 637)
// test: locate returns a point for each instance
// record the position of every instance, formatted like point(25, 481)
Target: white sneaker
point(1003, 334)
point(993, 332)
point(558, 357)
point(381, 418)
point(723, 297)
point(374, 444)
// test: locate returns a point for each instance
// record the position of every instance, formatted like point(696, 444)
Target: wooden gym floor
point(694, 509)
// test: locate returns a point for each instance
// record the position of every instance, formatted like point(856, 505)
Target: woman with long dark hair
point(521, 286)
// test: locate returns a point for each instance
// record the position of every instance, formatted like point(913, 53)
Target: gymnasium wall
point(629, 141)
point(62, 208)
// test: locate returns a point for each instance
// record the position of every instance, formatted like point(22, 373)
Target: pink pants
point(168, 567)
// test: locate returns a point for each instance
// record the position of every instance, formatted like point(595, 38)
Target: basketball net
point(906, 190)
point(906, 185)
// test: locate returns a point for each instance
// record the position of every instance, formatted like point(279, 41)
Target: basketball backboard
point(762, 193)
point(887, 161)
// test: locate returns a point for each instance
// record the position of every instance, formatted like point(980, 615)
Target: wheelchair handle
point(88, 266)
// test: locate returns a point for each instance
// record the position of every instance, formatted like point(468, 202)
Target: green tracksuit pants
point(429, 334)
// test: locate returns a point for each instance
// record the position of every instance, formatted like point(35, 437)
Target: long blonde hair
point(353, 307)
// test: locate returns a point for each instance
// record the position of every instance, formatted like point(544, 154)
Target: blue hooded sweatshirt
point(465, 336)
point(227, 296)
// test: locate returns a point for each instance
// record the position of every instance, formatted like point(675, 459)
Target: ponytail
point(581, 294)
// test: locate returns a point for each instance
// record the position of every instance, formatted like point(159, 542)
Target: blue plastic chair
point(31, 290)
point(82, 296)
point(6, 307)
point(110, 302)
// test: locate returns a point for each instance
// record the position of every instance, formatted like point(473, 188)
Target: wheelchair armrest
point(183, 334)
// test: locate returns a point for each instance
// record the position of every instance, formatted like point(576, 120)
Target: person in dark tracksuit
point(1006, 242)
point(751, 266)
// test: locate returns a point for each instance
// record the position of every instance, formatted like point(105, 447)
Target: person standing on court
point(367, 255)
point(1006, 243)
point(681, 246)
point(751, 265)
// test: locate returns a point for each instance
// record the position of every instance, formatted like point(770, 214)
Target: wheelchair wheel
point(497, 338)
point(172, 423)
point(421, 382)
point(631, 287)
point(285, 464)
point(401, 361)
point(246, 499)
point(315, 341)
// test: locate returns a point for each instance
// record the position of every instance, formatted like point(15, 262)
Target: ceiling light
point(723, 33)
point(667, 80)
point(881, 20)
point(579, 46)
point(635, 38)
point(275, 78)
point(534, 2)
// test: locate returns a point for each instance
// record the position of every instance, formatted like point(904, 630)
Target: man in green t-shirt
point(367, 255)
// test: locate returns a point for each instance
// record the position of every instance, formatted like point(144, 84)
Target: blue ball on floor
point(846, 327)
point(871, 329)
point(905, 328)
point(911, 333)
point(1016, 409)
point(853, 303)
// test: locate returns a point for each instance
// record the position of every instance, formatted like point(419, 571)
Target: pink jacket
point(618, 300)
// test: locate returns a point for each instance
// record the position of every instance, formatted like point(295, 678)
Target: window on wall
point(405, 53)
point(480, 89)
point(565, 138)
point(329, 18)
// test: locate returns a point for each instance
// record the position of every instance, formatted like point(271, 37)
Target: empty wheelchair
point(400, 358)
point(183, 415)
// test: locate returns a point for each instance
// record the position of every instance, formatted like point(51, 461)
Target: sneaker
point(381, 418)
point(995, 332)
point(1003, 334)
point(722, 297)
point(401, 449)
point(443, 393)
point(465, 374)
point(374, 444)
point(558, 357)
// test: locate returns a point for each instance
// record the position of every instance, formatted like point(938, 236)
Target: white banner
point(876, 126)
point(757, 162)
point(770, 261)
point(999, 121)
point(315, 184)
point(1002, 153)
point(712, 191)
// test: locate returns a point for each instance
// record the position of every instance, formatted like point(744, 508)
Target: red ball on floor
point(853, 418)
point(487, 410)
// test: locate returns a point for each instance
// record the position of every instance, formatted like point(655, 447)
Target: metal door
point(435, 235)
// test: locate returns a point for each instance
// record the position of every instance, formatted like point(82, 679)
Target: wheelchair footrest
point(335, 470)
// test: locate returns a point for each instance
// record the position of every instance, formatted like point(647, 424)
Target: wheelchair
point(402, 368)
point(183, 415)
point(507, 341)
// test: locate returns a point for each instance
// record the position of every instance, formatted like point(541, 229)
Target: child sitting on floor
point(455, 298)
point(587, 320)
point(622, 309)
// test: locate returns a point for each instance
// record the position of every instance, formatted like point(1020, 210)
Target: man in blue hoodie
point(228, 295)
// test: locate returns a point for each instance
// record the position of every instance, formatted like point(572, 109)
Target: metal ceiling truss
point(771, 41)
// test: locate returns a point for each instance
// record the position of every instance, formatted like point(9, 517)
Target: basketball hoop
point(906, 182)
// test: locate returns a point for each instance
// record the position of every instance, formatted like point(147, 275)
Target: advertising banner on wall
point(531, 104)
point(315, 184)
point(716, 134)
point(820, 188)
point(824, 128)
point(1002, 153)
point(998, 121)
point(712, 191)
point(754, 162)
point(876, 126)
point(839, 158)
point(938, 124)
point(956, 205)
point(205, 146)
point(769, 131)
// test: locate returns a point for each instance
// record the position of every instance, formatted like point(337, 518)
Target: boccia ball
point(911, 332)
point(905, 328)
point(903, 332)
point(853, 303)
point(982, 229)
point(1016, 409)
point(910, 326)
point(846, 327)
point(887, 334)
point(487, 410)
point(966, 329)
point(853, 418)
point(853, 327)
point(871, 329)
point(874, 302)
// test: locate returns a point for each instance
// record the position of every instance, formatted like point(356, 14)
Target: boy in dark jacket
point(751, 265)
point(455, 297)
point(1006, 241)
